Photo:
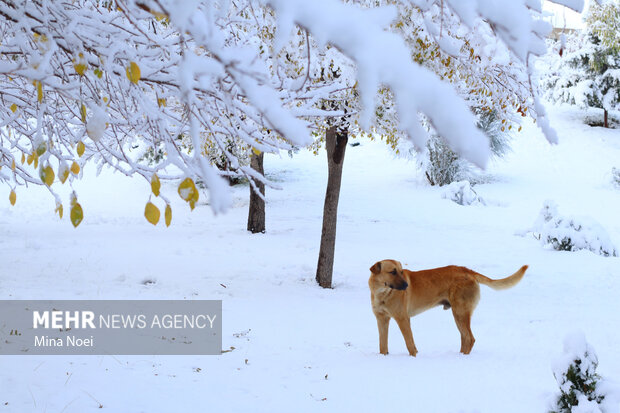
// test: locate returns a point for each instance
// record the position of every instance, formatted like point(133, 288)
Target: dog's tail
point(503, 283)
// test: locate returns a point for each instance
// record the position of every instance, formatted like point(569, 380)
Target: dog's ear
point(376, 269)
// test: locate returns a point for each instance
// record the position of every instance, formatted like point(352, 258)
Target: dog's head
point(387, 274)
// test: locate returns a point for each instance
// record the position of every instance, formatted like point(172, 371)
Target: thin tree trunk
point(336, 144)
point(605, 118)
point(256, 213)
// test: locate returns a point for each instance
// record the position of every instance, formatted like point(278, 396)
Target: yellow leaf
point(168, 215)
point(155, 184)
point(29, 159)
point(39, 92)
point(158, 15)
point(256, 151)
point(13, 107)
point(188, 192)
point(75, 168)
point(35, 159)
point(161, 102)
point(133, 72)
point(41, 148)
point(80, 148)
point(80, 68)
point(12, 197)
point(151, 213)
point(47, 175)
point(83, 113)
point(59, 209)
point(77, 215)
point(63, 172)
point(13, 163)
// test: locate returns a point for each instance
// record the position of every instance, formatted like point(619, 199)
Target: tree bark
point(336, 144)
point(605, 118)
point(256, 213)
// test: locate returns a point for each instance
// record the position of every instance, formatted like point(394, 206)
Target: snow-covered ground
point(298, 347)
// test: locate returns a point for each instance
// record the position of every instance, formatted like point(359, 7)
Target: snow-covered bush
point(443, 166)
point(615, 176)
point(571, 233)
point(581, 388)
point(462, 193)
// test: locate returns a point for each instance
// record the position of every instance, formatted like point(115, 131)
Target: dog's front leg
point(383, 322)
point(405, 328)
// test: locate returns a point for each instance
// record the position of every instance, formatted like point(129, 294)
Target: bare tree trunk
point(605, 118)
point(256, 213)
point(336, 144)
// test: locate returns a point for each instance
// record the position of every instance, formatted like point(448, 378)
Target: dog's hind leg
point(463, 323)
point(383, 322)
point(405, 328)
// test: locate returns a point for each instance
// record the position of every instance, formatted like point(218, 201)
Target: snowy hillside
point(295, 347)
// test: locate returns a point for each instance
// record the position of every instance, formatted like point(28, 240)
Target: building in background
point(564, 20)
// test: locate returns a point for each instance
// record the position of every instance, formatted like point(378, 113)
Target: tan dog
point(401, 294)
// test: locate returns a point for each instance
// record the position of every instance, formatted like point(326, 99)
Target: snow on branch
point(382, 58)
point(150, 88)
point(179, 90)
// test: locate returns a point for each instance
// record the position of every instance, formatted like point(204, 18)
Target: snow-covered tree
point(87, 82)
point(489, 75)
point(580, 385)
point(443, 166)
point(590, 75)
point(491, 80)
point(103, 83)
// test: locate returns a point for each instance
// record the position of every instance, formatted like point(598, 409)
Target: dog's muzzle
point(403, 286)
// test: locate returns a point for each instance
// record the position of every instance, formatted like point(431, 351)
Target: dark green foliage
point(589, 76)
point(582, 382)
point(444, 166)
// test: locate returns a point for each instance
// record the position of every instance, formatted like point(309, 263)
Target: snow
point(575, 348)
point(571, 233)
point(586, 406)
point(576, 5)
point(383, 58)
point(301, 348)
point(95, 127)
point(462, 193)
